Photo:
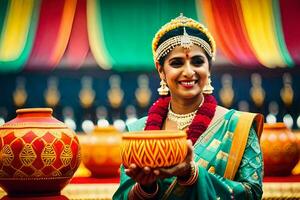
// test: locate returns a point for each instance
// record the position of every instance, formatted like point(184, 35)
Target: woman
point(224, 159)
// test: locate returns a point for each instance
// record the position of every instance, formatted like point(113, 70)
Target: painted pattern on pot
point(37, 148)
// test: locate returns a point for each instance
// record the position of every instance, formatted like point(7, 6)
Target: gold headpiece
point(184, 40)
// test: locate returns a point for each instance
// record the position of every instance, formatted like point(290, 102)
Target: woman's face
point(185, 71)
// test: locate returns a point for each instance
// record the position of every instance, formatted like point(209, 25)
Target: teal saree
point(214, 151)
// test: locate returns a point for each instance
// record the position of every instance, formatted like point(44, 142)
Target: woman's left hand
point(183, 169)
point(144, 176)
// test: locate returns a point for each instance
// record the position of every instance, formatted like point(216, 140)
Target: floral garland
point(159, 110)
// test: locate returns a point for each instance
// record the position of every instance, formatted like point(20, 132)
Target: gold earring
point(208, 88)
point(163, 89)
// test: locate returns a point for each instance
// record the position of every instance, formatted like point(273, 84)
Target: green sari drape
point(212, 150)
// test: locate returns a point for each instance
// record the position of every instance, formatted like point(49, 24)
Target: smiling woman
point(186, 72)
point(224, 159)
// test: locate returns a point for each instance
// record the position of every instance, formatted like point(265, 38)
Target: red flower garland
point(159, 110)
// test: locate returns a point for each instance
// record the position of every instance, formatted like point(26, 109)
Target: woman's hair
point(179, 31)
point(182, 31)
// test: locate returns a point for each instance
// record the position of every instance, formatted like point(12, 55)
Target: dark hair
point(179, 31)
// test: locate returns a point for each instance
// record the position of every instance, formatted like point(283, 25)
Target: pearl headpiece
point(185, 40)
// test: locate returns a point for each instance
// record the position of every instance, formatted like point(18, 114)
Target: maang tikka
point(163, 90)
point(185, 42)
point(208, 88)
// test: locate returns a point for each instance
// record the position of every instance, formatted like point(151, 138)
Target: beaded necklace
point(182, 120)
point(159, 110)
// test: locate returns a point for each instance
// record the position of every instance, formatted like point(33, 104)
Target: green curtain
point(280, 36)
point(128, 32)
point(3, 8)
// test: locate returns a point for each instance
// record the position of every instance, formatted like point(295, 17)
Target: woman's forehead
point(180, 51)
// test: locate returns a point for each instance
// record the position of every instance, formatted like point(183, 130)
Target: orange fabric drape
point(54, 27)
point(78, 46)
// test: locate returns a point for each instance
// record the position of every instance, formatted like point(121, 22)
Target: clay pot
point(280, 150)
point(157, 148)
point(296, 170)
point(101, 151)
point(39, 154)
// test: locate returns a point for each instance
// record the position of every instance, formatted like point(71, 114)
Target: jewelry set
point(186, 41)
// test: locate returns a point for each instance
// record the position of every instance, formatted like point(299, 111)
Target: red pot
point(39, 154)
point(280, 150)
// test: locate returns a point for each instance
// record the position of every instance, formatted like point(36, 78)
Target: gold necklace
point(182, 120)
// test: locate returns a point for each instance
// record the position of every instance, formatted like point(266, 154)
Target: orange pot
point(39, 154)
point(157, 148)
point(101, 151)
point(280, 149)
point(296, 170)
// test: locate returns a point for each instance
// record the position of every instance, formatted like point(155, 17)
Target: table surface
point(86, 188)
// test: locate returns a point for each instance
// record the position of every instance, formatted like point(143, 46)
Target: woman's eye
point(176, 63)
point(197, 61)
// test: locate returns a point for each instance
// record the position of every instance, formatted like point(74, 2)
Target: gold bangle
point(138, 191)
point(194, 175)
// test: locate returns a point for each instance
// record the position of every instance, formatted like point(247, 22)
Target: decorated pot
point(38, 153)
point(101, 151)
point(296, 170)
point(155, 148)
point(280, 150)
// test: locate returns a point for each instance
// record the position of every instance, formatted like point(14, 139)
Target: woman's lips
point(187, 84)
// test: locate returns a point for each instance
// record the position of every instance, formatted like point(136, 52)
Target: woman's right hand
point(144, 176)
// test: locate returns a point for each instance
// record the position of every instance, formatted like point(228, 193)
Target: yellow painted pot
point(157, 148)
point(101, 151)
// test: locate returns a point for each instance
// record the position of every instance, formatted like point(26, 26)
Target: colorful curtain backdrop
point(43, 35)
point(18, 20)
point(52, 34)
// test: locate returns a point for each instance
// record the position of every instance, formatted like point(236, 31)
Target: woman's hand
point(182, 170)
point(144, 176)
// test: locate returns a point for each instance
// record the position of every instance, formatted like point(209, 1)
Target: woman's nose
point(188, 70)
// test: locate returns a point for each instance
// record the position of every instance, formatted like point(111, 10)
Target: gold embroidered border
point(33, 125)
point(240, 140)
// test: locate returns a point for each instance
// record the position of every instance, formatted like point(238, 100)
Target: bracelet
point(194, 176)
point(139, 192)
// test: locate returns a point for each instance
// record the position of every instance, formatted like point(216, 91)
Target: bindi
point(187, 54)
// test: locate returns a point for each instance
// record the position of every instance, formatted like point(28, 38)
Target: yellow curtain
point(95, 35)
point(260, 26)
point(15, 29)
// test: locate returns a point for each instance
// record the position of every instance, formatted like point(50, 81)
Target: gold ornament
point(163, 89)
point(185, 40)
point(287, 92)
point(20, 94)
point(226, 93)
point(208, 88)
point(169, 44)
point(257, 93)
point(87, 94)
point(182, 120)
point(115, 93)
point(143, 92)
point(52, 95)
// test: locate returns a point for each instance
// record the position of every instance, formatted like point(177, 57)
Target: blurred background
point(91, 61)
